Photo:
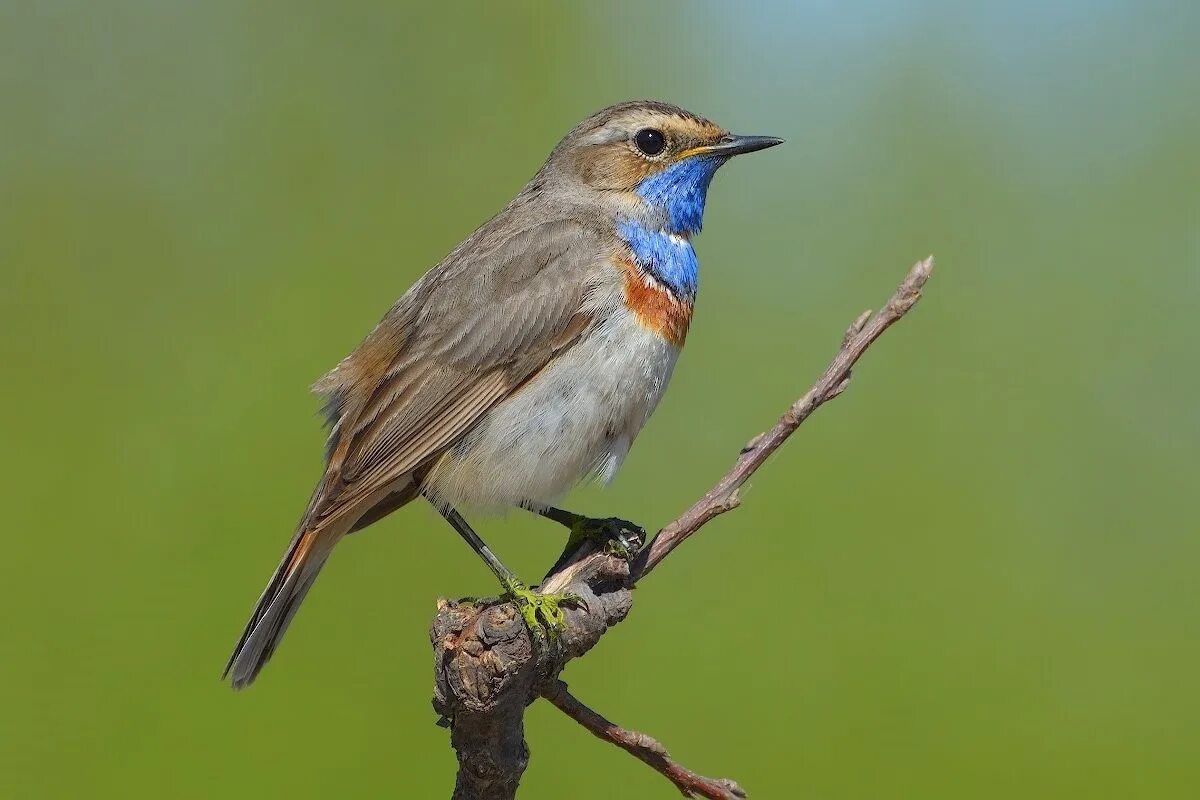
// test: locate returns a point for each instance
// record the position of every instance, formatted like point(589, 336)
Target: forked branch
point(488, 667)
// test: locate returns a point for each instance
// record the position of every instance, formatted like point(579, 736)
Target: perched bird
point(527, 360)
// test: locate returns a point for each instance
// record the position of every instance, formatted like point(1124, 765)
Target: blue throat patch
point(668, 257)
point(679, 192)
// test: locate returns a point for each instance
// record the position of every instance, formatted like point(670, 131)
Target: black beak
point(736, 145)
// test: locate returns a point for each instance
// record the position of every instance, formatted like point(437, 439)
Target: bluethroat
point(527, 360)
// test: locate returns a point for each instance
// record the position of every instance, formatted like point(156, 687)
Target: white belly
point(576, 419)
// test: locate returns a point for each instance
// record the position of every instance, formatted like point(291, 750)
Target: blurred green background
point(972, 576)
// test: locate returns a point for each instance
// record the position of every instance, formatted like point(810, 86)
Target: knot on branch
point(488, 666)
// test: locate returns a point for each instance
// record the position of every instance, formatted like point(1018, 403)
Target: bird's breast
point(655, 307)
point(576, 417)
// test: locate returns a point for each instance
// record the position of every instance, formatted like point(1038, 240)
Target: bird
point(523, 363)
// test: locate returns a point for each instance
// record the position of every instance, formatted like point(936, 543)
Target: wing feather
point(470, 332)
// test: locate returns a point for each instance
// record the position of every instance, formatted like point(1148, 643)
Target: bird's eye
point(650, 141)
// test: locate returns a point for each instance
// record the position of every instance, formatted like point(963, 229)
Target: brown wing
point(467, 334)
point(472, 330)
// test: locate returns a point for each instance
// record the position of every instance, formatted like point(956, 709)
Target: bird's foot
point(543, 613)
point(619, 537)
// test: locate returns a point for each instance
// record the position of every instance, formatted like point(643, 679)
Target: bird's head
point(659, 156)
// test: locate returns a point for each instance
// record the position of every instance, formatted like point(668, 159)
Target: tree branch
point(836, 378)
point(488, 666)
point(642, 747)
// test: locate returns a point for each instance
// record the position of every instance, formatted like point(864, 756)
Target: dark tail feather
point(293, 577)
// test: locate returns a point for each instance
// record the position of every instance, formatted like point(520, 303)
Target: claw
point(543, 613)
point(615, 536)
point(620, 547)
point(619, 537)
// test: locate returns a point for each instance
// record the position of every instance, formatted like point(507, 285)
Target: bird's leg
point(542, 612)
point(619, 537)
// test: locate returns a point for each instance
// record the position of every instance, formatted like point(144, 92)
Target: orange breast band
point(654, 306)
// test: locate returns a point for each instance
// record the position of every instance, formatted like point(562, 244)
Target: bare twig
point(724, 495)
point(488, 666)
point(642, 747)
